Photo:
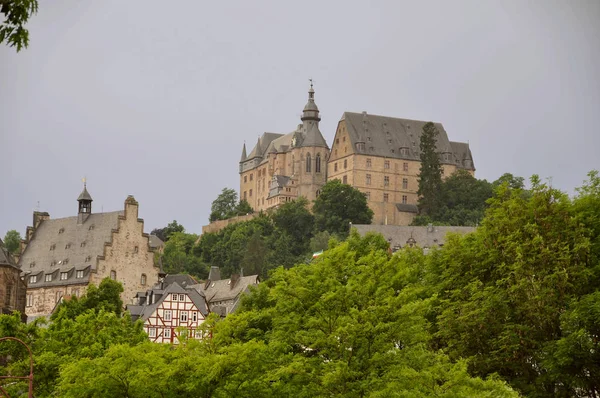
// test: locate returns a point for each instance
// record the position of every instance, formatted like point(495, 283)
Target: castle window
point(30, 300)
point(337, 141)
point(405, 183)
point(386, 164)
point(318, 163)
point(250, 193)
point(251, 176)
point(48, 278)
point(245, 195)
point(82, 244)
point(389, 141)
point(68, 246)
point(344, 139)
point(335, 166)
point(91, 228)
point(33, 279)
point(308, 163)
point(369, 139)
point(360, 146)
point(59, 295)
point(113, 275)
point(345, 163)
point(405, 166)
point(64, 276)
point(386, 197)
point(245, 178)
point(79, 274)
point(167, 315)
point(143, 279)
point(404, 199)
point(386, 181)
point(136, 249)
point(318, 193)
point(345, 180)
point(345, 149)
point(368, 181)
point(52, 246)
point(369, 162)
point(368, 195)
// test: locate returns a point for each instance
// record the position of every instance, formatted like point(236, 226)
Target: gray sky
point(156, 98)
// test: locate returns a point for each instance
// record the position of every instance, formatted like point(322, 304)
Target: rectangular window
point(405, 183)
point(251, 176)
point(245, 195)
point(175, 297)
point(405, 166)
point(48, 278)
point(386, 164)
point(75, 292)
point(345, 164)
point(368, 195)
point(194, 316)
point(79, 274)
point(345, 180)
point(167, 333)
point(30, 300)
point(151, 332)
point(63, 276)
point(335, 166)
point(369, 163)
point(167, 315)
point(404, 199)
point(386, 181)
point(183, 316)
point(368, 179)
point(245, 178)
point(33, 279)
point(386, 197)
point(181, 297)
point(250, 193)
point(442, 171)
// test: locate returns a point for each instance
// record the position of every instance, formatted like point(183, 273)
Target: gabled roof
point(260, 149)
point(62, 243)
point(221, 290)
point(155, 241)
point(5, 257)
point(146, 310)
point(382, 134)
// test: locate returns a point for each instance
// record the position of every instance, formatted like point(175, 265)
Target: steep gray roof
point(260, 149)
point(182, 280)
point(312, 136)
point(423, 236)
point(144, 311)
point(382, 134)
point(155, 241)
point(62, 245)
point(84, 195)
point(221, 290)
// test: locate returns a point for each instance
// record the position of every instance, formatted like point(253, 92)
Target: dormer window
point(52, 246)
point(88, 258)
point(48, 278)
point(65, 261)
point(33, 279)
point(79, 274)
point(82, 244)
point(53, 263)
point(68, 246)
point(32, 264)
point(64, 276)
point(60, 231)
point(91, 228)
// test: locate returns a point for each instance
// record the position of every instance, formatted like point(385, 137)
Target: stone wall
point(128, 257)
point(43, 300)
point(216, 226)
point(12, 290)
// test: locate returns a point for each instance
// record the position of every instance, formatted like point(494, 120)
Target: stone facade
point(12, 287)
point(61, 257)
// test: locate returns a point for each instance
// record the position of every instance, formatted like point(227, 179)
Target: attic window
point(48, 278)
point(389, 141)
point(33, 279)
point(68, 246)
point(53, 263)
point(64, 276)
point(91, 228)
point(82, 244)
point(369, 139)
point(79, 274)
point(60, 231)
point(52, 246)
point(32, 264)
point(392, 151)
point(66, 261)
point(88, 258)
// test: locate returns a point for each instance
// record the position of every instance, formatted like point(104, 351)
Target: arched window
point(308, 163)
point(113, 275)
point(318, 163)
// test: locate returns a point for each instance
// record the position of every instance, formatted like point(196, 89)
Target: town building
point(425, 237)
point(13, 288)
point(282, 167)
point(64, 256)
point(172, 310)
point(223, 295)
point(380, 156)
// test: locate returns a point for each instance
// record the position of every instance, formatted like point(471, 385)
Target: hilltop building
point(380, 156)
point(61, 257)
point(282, 167)
point(13, 288)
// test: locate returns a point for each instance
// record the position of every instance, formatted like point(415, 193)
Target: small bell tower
point(85, 204)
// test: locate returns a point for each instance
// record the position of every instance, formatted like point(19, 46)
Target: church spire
point(310, 122)
point(311, 110)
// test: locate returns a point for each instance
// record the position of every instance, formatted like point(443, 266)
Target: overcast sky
point(155, 98)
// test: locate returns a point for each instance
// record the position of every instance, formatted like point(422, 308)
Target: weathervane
point(311, 82)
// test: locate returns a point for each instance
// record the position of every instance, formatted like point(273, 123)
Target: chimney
point(214, 274)
point(234, 280)
point(38, 217)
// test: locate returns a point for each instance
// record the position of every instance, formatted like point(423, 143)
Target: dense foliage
point(165, 233)
point(226, 206)
point(12, 241)
point(430, 173)
point(16, 14)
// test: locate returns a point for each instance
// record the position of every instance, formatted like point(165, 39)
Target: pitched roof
point(263, 143)
point(183, 280)
point(85, 195)
point(382, 134)
point(221, 290)
point(312, 136)
point(5, 257)
point(63, 245)
point(425, 237)
point(145, 310)
point(155, 241)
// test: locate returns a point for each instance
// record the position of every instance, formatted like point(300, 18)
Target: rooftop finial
point(311, 82)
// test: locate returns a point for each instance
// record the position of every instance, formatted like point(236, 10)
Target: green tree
point(165, 233)
point(294, 219)
point(179, 255)
point(225, 206)
point(337, 206)
point(12, 241)
point(430, 174)
point(16, 14)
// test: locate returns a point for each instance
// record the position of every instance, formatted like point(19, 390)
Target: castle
point(377, 155)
